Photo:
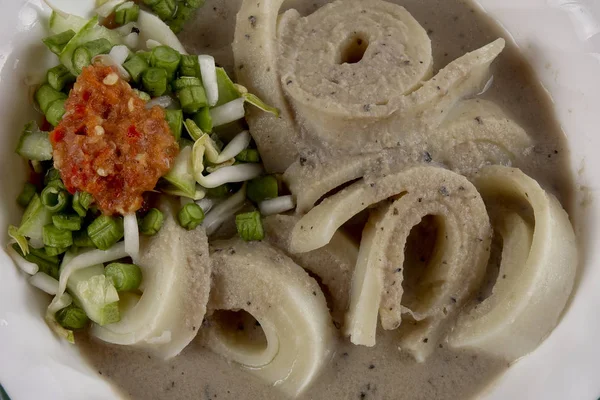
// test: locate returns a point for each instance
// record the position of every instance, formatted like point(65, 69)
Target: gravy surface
point(355, 372)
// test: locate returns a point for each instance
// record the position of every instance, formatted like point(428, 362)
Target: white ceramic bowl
point(560, 38)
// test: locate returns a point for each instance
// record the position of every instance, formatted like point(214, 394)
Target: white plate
point(561, 39)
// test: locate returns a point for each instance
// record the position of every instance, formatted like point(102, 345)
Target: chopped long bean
point(82, 56)
point(66, 221)
point(248, 156)
point(59, 77)
point(82, 202)
point(125, 277)
point(263, 188)
point(186, 82)
point(55, 237)
point(54, 198)
point(164, 9)
point(203, 119)
point(56, 111)
point(195, 3)
point(182, 15)
point(26, 194)
point(82, 239)
point(189, 66)
point(249, 226)
point(56, 43)
point(46, 95)
point(190, 216)
point(155, 81)
point(126, 13)
point(136, 66)
point(55, 251)
point(152, 222)
point(192, 99)
point(166, 58)
point(47, 263)
point(72, 317)
point(220, 191)
point(52, 177)
point(105, 231)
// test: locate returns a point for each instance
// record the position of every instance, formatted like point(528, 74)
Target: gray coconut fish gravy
point(355, 372)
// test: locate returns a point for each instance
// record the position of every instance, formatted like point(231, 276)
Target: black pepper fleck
point(479, 120)
point(367, 107)
point(135, 30)
point(427, 157)
point(396, 212)
point(252, 20)
point(247, 36)
point(425, 340)
point(444, 191)
point(372, 366)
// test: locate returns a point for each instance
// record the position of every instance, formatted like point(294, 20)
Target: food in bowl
point(388, 226)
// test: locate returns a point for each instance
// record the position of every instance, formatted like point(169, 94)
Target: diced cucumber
point(34, 144)
point(96, 294)
point(47, 263)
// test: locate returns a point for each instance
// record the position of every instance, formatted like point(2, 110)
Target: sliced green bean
point(136, 66)
point(55, 237)
point(56, 43)
point(106, 231)
point(82, 202)
point(26, 194)
point(189, 66)
point(166, 58)
point(70, 222)
point(190, 216)
point(155, 81)
point(59, 77)
point(249, 226)
point(125, 277)
point(54, 198)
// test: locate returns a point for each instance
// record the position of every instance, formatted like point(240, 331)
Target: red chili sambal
point(108, 144)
